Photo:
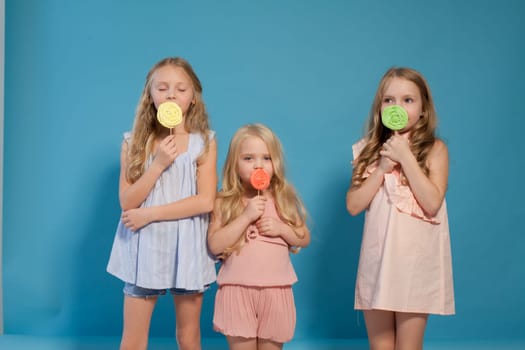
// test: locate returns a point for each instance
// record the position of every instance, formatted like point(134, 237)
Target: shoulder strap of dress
point(127, 136)
point(358, 147)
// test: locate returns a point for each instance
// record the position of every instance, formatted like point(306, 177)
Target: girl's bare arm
point(133, 195)
point(359, 198)
point(430, 190)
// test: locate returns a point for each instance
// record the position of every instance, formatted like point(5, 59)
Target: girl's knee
point(188, 339)
point(133, 344)
point(382, 344)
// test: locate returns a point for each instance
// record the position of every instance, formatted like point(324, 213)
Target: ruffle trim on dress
point(400, 195)
point(403, 199)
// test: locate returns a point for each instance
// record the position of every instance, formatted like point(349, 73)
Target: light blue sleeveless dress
point(167, 254)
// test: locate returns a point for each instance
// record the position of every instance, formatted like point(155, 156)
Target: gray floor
point(14, 342)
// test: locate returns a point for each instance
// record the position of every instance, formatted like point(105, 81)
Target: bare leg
point(264, 344)
point(188, 316)
point(137, 319)
point(410, 330)
point(380, 326)
point(238, 343)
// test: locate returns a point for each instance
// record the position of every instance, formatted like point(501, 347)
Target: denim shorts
point(139, 292)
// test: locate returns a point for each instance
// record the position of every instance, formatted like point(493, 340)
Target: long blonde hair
point(422, 135)
point(288, 204)
point(146, 127)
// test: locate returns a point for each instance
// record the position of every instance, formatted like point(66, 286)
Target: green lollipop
point(394, 117)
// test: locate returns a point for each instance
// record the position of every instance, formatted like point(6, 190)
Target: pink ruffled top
point(262, 261)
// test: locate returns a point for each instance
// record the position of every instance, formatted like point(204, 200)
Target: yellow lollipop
point(169, 114)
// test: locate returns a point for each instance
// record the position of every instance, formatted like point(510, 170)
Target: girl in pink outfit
point(400, 179)
point(253, 232)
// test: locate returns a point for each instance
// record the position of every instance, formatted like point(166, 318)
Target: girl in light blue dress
point(167, 187)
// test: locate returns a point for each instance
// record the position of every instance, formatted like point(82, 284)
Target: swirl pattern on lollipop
point(260, 179)
point(169, 114)
point(394, 117)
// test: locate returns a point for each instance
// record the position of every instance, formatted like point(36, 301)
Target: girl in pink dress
point(400, 179)
point(253, 232)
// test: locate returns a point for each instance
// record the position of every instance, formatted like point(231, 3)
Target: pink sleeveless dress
point(405, 263)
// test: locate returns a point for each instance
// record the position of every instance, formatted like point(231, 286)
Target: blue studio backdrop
point(74, 71)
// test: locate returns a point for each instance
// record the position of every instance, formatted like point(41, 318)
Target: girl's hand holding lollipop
point(395, 118)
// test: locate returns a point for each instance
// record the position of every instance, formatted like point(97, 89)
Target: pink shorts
point(255, 312)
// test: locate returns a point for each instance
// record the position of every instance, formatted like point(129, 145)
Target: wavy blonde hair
point(289, 206)
point(422, 135)
point(146, 126)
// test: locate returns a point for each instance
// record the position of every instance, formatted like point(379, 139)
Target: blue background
point(308, 69)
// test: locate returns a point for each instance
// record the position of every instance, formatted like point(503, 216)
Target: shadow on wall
point(336, 239)
point(97, 296)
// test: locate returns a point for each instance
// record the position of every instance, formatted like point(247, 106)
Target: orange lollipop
point(260, 179)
